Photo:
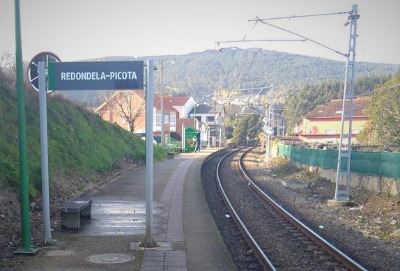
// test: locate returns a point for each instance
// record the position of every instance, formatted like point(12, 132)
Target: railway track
point(279, 240)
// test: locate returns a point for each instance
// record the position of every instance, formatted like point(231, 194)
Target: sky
point(76, 30)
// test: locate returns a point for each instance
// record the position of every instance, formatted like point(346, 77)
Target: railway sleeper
point(335, 264)
point(320, 253)
point(307, 242)
point(327, 257)
point(312, 247)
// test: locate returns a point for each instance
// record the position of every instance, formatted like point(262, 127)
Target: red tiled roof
point(169, 102)
point(179, 101)
point(334, 108)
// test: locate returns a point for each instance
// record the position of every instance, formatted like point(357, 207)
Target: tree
point(248, 126)
point(7, 69)
point(129, 105)
point(383, 127)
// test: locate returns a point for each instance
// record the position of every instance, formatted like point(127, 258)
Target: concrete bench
point(72, 211)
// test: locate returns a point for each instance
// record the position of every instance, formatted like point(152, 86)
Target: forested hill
point(201, 74)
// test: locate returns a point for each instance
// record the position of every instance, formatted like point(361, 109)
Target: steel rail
point(264, 261)
point(331, 249)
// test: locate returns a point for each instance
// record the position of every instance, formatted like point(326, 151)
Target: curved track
point(277, 238)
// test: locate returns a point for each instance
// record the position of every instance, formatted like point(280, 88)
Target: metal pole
point(162, 103)
point(194, 117)
point(220, 136)
point(183, 138)
point(23, 168)
point(149, 242)
point(344, 150)
point(44, 152)
point(208, 137)
point(268, 144)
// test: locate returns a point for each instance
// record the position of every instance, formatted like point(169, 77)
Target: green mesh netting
point(384, 164)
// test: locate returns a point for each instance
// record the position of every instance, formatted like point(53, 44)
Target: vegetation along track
point(276, 237)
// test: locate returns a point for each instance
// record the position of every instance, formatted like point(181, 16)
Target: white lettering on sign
point(82, 76)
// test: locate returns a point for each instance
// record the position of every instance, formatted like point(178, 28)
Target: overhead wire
point(302, 16)
point(301, 36)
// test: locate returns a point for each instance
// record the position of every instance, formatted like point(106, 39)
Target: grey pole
point(149, 242)
point(183, 138)
point(220, 136)
point(268, 144)
point(162, 103)
point(208, 137)
point(44, 152)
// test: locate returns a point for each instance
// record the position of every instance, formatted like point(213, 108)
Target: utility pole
point(267, 128)
point(344, 155)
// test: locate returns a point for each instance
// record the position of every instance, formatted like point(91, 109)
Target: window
point(210, 119)
point(173, 119)
point(166, 119)
point(330, 132)
point(158, 118)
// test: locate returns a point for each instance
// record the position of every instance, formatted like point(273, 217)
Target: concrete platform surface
point(183, 227)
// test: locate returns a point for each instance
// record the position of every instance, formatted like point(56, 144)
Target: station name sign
point(110, 75)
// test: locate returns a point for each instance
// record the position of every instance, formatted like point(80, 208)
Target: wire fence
point(375, 163)
point(354, 147)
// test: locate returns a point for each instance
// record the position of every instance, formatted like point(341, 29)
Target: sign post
point(114, 76)
point(44, 153)
point(149, 242)
point(37, 78)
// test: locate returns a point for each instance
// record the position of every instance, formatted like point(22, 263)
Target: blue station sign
point(110, 75)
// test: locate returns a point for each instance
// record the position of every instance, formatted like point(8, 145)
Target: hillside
point(201, 74)
point(80, 143)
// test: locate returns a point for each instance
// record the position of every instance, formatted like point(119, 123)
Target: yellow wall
point(321, 127)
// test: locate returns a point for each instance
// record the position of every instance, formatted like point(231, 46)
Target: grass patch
point(283, 167)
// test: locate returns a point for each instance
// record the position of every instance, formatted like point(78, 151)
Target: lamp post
point(162, 98)
point(162, 103)
point(219, 122)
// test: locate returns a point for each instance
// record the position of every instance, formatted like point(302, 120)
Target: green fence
point(385, 164)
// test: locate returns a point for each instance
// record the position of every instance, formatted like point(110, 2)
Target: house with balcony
point(323, 123)
point(180, 106)
point(209, 120)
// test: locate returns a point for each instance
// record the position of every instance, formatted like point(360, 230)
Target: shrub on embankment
point(79, 142)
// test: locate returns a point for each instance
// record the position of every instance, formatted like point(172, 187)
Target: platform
point(182, 226)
